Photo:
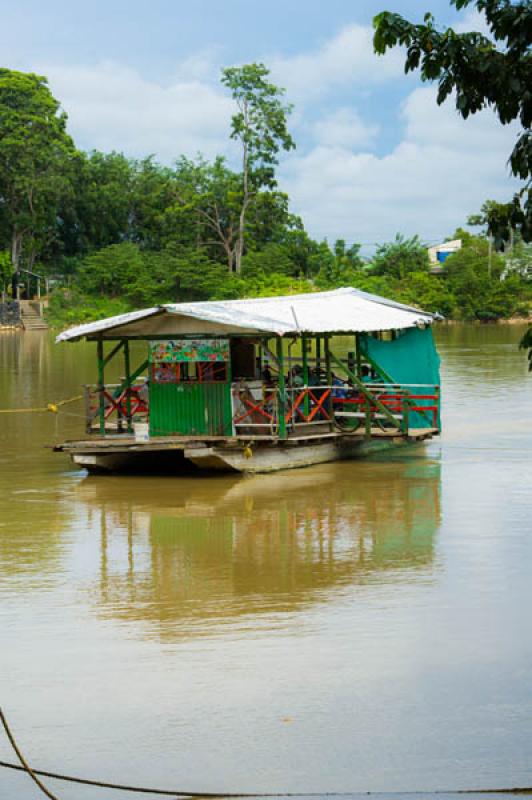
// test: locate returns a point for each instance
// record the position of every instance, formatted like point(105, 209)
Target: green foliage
point(401, 257)
point(481, 286)
point(5, 268)
point(274, 258)
point(112, 270)
point(260, 123)
point(340, 267)
point(481, 72)
point(427, 291)
point(68, 307)
point(36, 156)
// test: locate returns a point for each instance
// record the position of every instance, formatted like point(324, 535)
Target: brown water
point(350, 627)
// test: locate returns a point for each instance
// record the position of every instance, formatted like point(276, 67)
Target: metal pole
point(128, 386)
point(304, 342)
point(328, 370)
point(101, 385)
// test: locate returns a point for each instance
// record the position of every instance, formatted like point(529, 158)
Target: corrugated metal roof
point(339, 311)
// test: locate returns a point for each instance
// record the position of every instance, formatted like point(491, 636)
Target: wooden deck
point(124, 443)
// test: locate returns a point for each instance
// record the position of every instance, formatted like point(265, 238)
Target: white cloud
point(112, 107)
point(347, 59)
point(442, 171)
point(344, 128)
point(473, 20)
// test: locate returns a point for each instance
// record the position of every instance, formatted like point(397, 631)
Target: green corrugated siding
point(196, 408)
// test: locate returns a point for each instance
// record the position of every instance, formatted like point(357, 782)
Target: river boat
point(258, 385)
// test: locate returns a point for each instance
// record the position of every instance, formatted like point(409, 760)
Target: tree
point(208, 204)
point(400, 257)
point(111, 270)
point(260, 127)
point(35, 158)
point(494, 217)
point(340, 267)
point(482, 72)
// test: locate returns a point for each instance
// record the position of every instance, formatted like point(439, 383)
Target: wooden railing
point(268, 411)
point(385, 407)
point(388, 406)
point(122, 406)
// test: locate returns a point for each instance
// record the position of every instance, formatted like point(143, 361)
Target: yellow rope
point(52, 407)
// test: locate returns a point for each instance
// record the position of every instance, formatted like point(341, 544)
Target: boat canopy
point(340, 311)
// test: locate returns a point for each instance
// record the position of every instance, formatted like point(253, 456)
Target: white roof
point(339, 311)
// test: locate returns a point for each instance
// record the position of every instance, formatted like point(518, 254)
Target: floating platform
point(256, 454)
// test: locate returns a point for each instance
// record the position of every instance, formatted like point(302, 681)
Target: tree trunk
point(239, 249)
point(230, 257)
point(16, 250)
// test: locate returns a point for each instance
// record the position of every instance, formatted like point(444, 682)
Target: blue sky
point(374, 154)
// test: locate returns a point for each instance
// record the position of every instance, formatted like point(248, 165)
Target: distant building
point(439, 252)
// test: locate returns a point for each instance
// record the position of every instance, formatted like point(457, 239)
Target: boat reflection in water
point(190, 558)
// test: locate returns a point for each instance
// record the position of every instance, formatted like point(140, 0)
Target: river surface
point(349, 627)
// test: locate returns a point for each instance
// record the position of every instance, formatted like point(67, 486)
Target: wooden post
point(101, 385)
point(281, 402)
point(127, 368)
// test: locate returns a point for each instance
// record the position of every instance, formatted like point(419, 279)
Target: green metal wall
point(190, 409)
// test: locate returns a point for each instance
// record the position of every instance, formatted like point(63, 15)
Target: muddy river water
point(349, 627)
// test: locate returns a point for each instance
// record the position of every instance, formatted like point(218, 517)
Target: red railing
point(121, 406)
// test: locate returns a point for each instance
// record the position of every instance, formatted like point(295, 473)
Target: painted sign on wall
point(189, 350)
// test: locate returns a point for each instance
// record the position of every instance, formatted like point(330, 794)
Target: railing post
point(405, 423)
point(367, 419)
point(101, 385)
point(281, 399)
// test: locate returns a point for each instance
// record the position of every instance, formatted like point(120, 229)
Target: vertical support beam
point(101, 385)
point(281, 402)
point(318, 357)
point(127, 368)
point(304, 342)
point(328, 371)
point(358, 356)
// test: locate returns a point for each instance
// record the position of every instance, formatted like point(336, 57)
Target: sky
point(375, 155)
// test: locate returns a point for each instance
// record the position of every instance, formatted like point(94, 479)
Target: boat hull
point(247, 458)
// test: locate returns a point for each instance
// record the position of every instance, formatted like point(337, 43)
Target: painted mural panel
point(189, 350)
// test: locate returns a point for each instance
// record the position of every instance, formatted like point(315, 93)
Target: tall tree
point(483, 72)
point(35, 157)
point(206, 205)
point(260, 125)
